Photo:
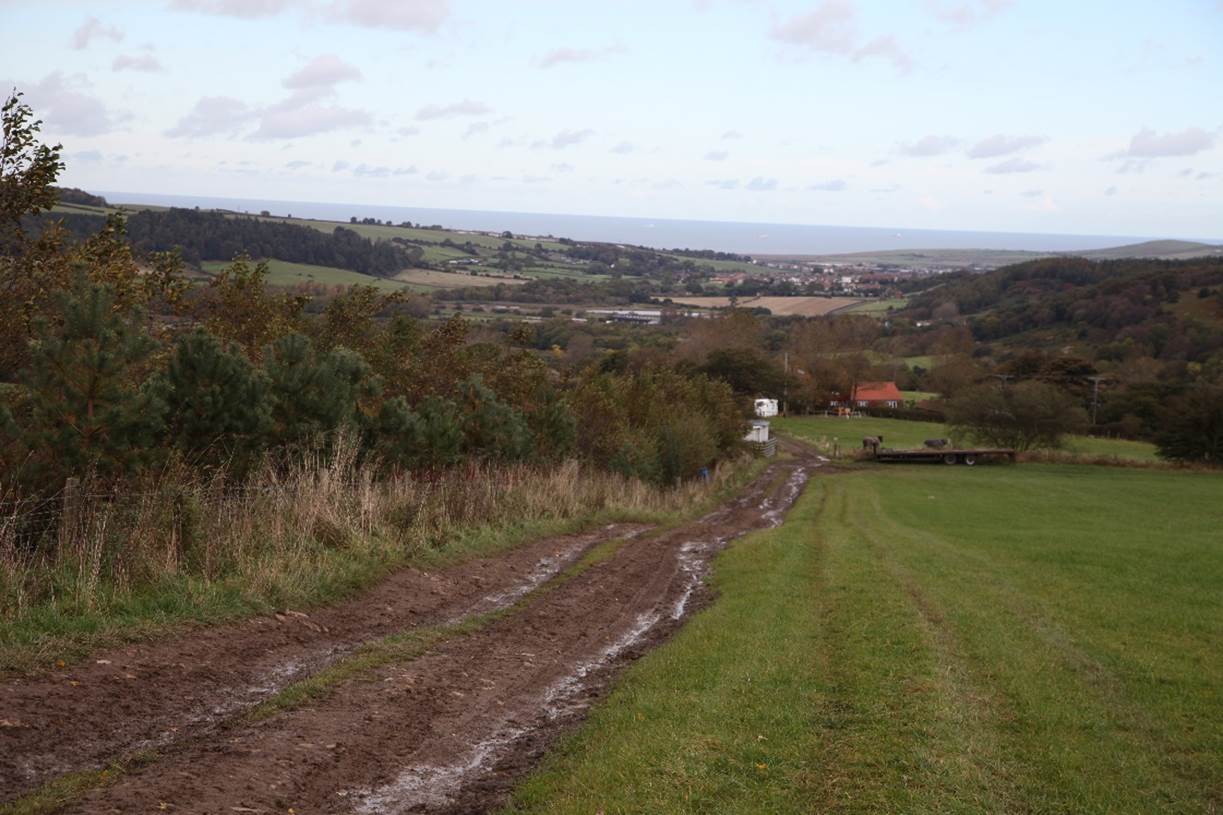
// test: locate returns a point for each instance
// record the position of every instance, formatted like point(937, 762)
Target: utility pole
point(1095, 396)
point(785, 386)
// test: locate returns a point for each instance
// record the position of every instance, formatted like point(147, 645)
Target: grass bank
point(285, 273)
point(130, 566)
point(1009, 639)
point(825, 431)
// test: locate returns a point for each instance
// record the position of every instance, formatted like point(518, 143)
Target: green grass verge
point(1005, 639)
point(901, 433)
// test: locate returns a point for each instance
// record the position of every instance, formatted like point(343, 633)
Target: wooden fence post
point(70, 515)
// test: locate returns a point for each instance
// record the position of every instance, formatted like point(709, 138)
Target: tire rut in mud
point(154, 695)
point(451, 730)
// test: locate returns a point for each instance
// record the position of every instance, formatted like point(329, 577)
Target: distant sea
point(659, 233)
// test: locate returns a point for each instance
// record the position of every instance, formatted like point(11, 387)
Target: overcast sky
point(1093, 116)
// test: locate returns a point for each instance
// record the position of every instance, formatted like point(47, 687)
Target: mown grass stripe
point(1021, 639)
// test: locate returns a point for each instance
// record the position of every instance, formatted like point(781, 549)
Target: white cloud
point(296, 165)
point(303, 115)
point(889, 49)
point(832, 28)
point(91, 29)
point(623, 148)
point(1110, 192)
point(834, 185)
point(724, 183)
point(759, 184)
point(716, 155)
point(246, 9)
point(566, 138)
point(1146, 143)
point(967, 13)
point(926, 146)
point(560, 56)
point(146, 63)
point(66, 105)
point(732, 134)
point(367, 171)
point(401, 15)
point(829, 28)
point(212, 116)
point(464, 108)
point(1000, 145)
point(1013, 165)
point(322, 71)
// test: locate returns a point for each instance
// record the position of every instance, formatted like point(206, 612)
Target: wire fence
point(26, 520)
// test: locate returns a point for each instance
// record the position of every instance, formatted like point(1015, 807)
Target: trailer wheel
point(950, 458)
point(970, 459)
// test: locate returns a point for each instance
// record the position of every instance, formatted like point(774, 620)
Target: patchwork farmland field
point(804, 306)
point(1039, 638)
point(284, 273)
point(452, 280)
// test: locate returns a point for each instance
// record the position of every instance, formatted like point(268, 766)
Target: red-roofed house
point(874, 395)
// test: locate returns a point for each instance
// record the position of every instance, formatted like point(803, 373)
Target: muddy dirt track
point(448, 731)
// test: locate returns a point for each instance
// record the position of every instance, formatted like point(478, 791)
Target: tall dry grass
point(185, 546)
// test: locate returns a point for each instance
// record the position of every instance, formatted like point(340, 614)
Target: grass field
point(1053, 650)
point(848, 433)
point(879, 307)
point(386, 232)
point(805, 306)
point(452, 280)
point(924, 361)
point(284, 273)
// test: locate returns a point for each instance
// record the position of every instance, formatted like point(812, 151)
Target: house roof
point(877, 392)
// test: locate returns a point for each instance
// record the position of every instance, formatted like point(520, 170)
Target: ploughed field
point(1031, 638)
point(804, 306)
point(433, 692)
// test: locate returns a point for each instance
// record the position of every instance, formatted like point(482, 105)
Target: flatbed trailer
point(947, 455)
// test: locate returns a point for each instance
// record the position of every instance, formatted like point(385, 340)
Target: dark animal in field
point(872, 443)
point(937, 444)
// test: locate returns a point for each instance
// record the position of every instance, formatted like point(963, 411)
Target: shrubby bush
point(1024, 416)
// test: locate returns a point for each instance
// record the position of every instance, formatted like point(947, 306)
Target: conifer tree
point(217, 404)
point(88, 411)
point(429, 437)
point(492, 428)
point(313, 396)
